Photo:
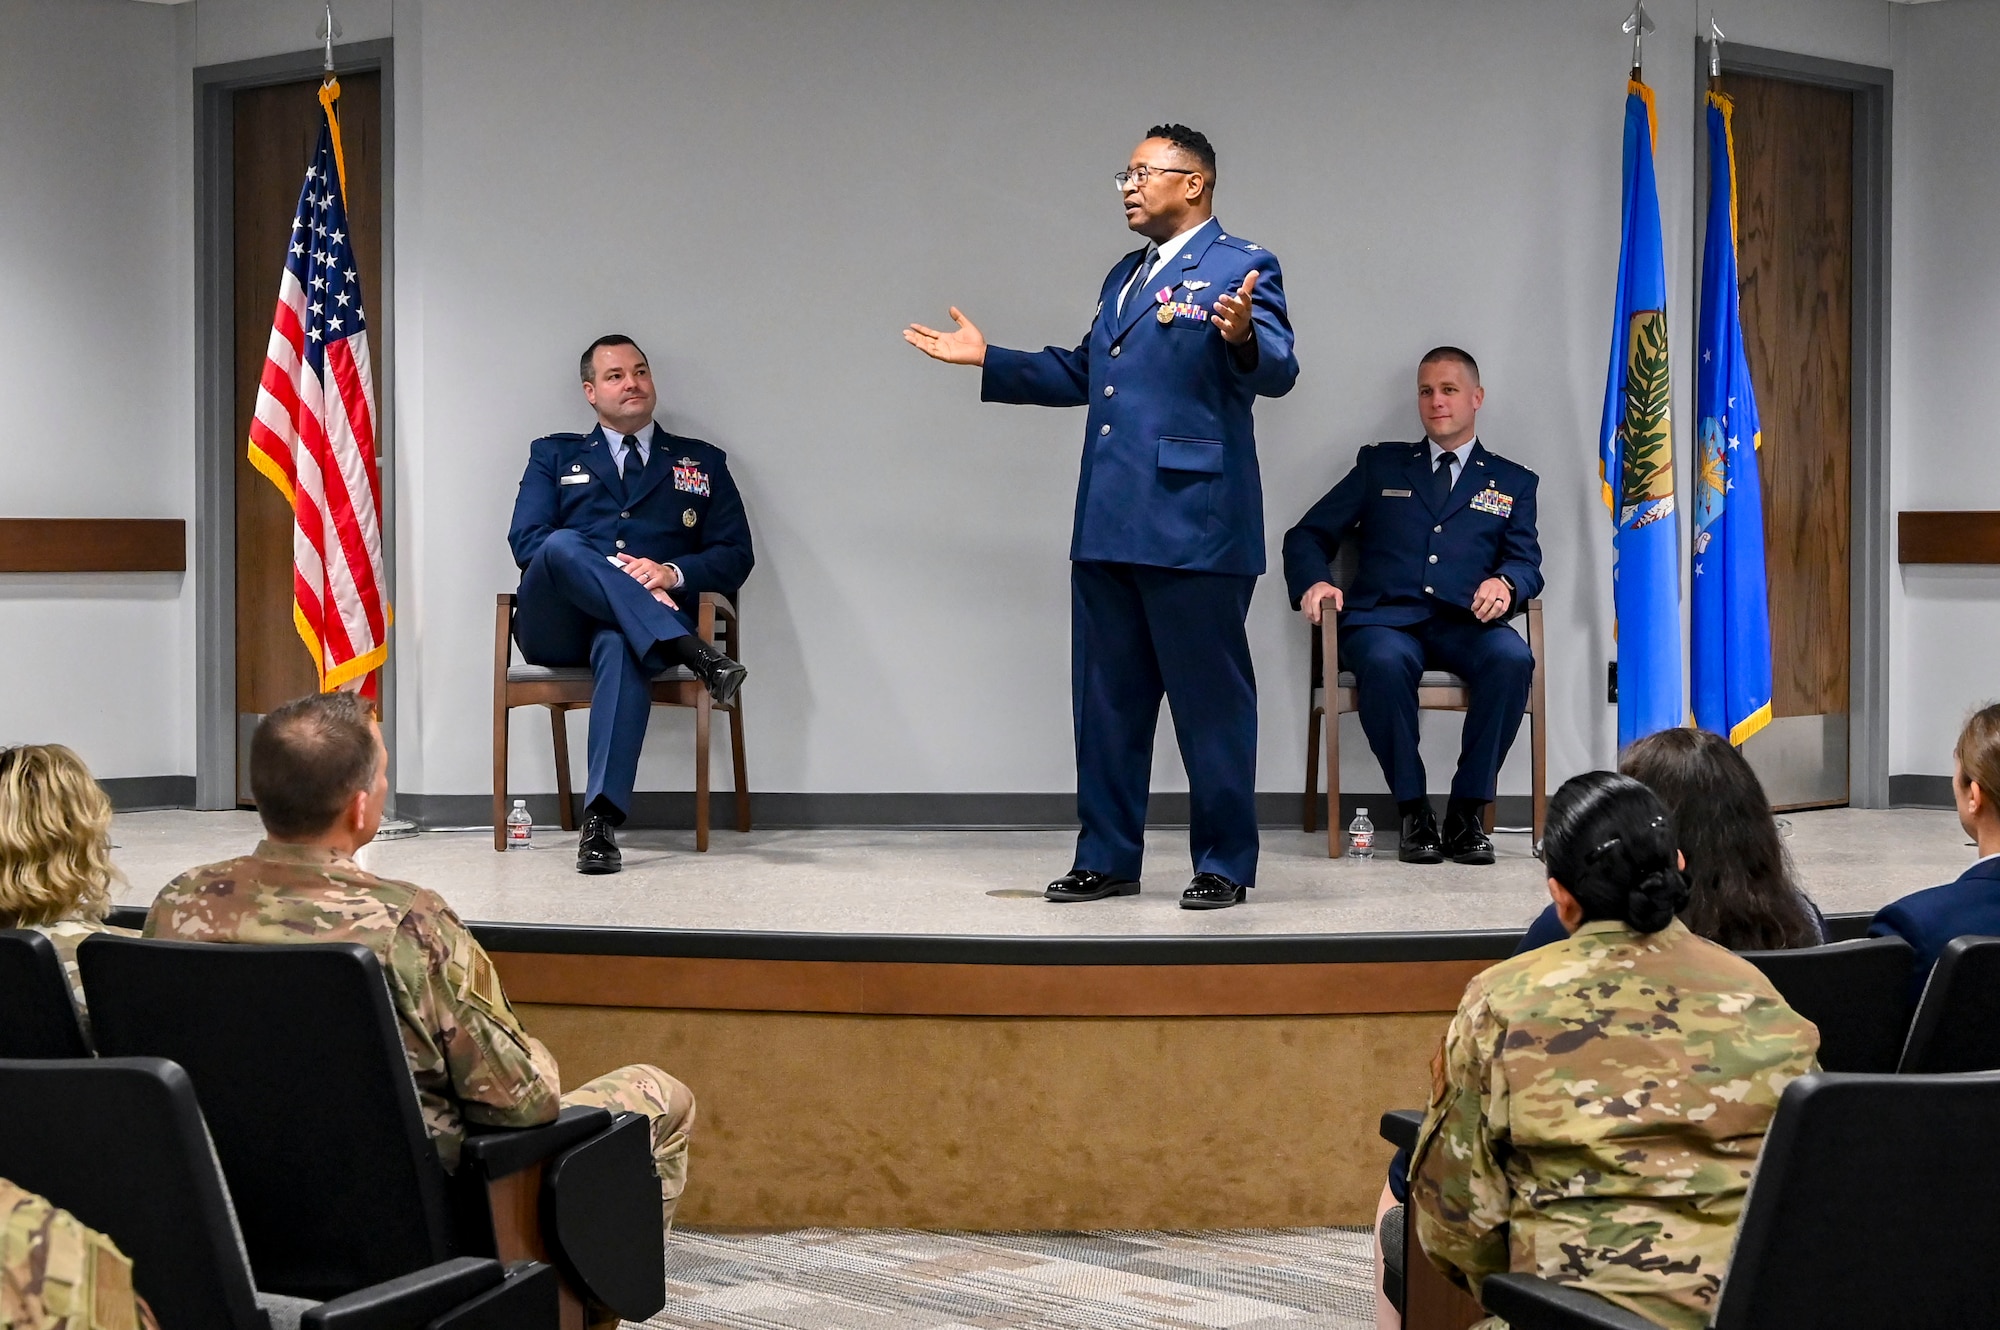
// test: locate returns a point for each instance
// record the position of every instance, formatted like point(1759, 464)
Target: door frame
point(1869, 550)
point(215, 403)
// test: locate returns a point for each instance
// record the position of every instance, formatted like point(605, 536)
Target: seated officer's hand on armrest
point(1491, 600)
point(1316, 594)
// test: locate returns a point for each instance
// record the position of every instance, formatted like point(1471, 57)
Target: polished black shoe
point(1080, 884)
point(1465, 839)
point(1212, 891)
point(717, 672)
point(597, 848)
point(1420, 843)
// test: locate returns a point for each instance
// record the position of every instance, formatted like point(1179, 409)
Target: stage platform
point(890, 1028)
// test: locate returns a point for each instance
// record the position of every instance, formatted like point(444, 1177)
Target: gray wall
point(764, 193)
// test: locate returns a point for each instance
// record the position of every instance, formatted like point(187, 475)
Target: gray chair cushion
point(1430, 679)
point(581, 674)
point(285, 1313)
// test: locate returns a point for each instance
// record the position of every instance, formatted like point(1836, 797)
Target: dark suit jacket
point(1169, 475)
point(1927, 920)
point(1413, 553)
point(684, 508)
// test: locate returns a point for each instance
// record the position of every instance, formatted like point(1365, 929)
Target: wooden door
point(275, 131)
point(1795, 234)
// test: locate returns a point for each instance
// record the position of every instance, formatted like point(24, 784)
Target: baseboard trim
point(936, 812)
point(1920, 792)
point(134, 794)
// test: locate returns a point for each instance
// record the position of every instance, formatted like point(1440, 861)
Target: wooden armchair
point(567, 688)
point(1437, 690)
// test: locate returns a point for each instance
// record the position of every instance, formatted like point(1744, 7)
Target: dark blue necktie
point(1441, 481)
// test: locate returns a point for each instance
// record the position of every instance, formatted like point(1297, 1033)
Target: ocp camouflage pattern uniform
point(55, 1274)
point(67, 934)
point(1596, 1114)
point(470, 1057)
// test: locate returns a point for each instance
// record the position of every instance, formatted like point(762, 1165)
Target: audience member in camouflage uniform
point(55, 851)
point(1599, 1104)
point(320, 777)
point(55, 1274)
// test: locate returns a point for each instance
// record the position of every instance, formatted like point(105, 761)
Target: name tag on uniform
point(1493, 501)
point(579, 479)
point(1395, 494)
point(689, 477)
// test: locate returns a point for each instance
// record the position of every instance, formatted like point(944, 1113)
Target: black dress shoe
point(597, 849)
point(1212, 891)
point(717, 672)
point(1466, 841)
point(1080, 884)
point(1420, 843)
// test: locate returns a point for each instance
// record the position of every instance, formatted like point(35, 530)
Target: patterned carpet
point(901, 1279)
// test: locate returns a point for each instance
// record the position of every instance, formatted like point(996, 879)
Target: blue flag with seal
point(1636, 452)
point(1731, 628)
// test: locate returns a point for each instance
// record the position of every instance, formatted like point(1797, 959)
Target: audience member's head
point(1609, 846)
point(319, 772)
point(55, 838)
point(1743, 892)
point(1975, 775)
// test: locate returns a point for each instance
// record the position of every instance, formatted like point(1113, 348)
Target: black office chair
point(120, 1144)
point(1857, 993)
point(37, 1015)
point(297, 1056)
point(1872, 1206)
point(1957, 1027)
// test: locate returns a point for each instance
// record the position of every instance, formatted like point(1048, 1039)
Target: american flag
point(313, 432)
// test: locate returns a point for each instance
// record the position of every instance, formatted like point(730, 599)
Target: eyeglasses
point(1139, 175)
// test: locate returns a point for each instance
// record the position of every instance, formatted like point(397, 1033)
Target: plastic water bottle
point(1361, 835)
point(520, 827)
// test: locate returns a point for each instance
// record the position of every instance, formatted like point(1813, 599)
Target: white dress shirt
point(1167, 251)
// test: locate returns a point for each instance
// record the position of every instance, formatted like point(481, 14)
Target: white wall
point(1945, 345)
point(95, 373)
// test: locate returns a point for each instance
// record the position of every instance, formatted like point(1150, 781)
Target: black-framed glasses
point(1139, 175)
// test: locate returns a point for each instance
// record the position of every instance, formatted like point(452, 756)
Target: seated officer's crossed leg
point(1448, 550)
point(618, 532)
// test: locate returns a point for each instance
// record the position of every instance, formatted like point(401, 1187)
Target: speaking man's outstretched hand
point(964, 345)
point(1232, 312)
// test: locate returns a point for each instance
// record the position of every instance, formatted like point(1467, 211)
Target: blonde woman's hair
point(1978, 750)
point(55, 838)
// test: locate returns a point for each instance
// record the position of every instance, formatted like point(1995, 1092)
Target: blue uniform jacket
point(1169, 475)
point(1411, 553)
point(686, 510)
point(1929, 919)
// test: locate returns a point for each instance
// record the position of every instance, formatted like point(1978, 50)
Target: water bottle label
point(518, 833)
point(1364, 840)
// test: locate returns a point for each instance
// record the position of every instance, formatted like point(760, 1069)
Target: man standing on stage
point(1169, 534)
point(617, 533)
point(1448, 550)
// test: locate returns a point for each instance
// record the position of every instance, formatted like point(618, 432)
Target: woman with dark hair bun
point(1598, 1105)
point(1742, 890)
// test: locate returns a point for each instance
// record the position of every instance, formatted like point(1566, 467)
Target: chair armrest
point(600, 1211)
point(1400, 1126)
point(531, 1296)
point(1529, 1302)
point(500, 1151)
point(723, 608)
point(408, 1302)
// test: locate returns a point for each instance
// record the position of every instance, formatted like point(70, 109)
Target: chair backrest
point(119, 1143)
point(37, 1014)
point(1857, 993)
point(1344, 564)
point(1872, 1206)
point(1957, 1027)
point(295, 1054)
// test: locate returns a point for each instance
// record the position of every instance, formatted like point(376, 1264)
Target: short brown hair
point(1978, 750)
point(588, 365)
point(308, 758)
point(1451, 355)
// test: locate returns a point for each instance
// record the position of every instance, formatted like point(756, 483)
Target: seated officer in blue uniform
point(1189, 331)
point(1928, 920)
point(1448, 550)
point(617, 532)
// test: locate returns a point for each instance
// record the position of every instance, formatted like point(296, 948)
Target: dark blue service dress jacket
point(1169, 475)
point(1930, 919)
point(685, 509)
point(1411, 551)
